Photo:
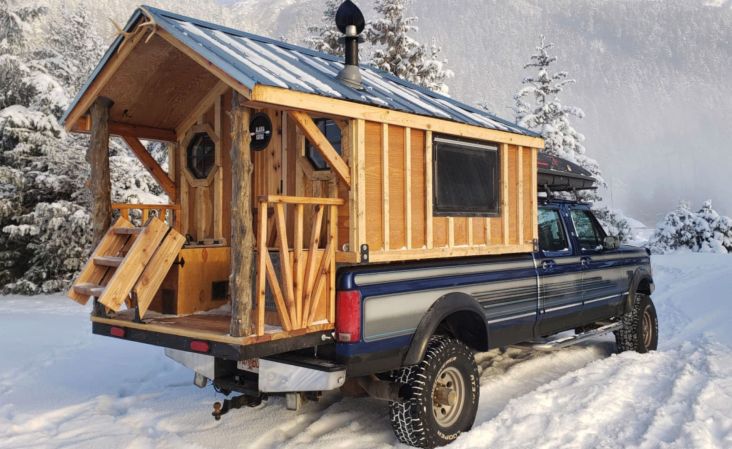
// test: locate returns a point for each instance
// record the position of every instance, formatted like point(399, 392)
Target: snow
point(62, 387)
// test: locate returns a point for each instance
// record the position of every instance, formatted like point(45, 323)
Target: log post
point(242, 232)
point(98, 158)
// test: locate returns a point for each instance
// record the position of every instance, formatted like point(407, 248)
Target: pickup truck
point(407, 333)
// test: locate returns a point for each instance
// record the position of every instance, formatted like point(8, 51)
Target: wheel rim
point(647, 328)
point(448, 396)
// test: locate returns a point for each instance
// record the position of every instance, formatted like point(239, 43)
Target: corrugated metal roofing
point(253, 60)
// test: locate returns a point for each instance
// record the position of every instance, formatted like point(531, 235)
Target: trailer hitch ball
point(217, 411)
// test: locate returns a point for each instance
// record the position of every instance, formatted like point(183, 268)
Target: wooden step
point(108, 261)
point(88, 289)
point(128, 231)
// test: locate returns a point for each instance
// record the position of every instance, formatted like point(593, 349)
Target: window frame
point(183, 150)
point(596, 225)
point(312, 149)
point(468, 146)
point(570, 244)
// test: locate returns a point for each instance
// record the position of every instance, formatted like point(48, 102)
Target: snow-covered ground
point(61, 387)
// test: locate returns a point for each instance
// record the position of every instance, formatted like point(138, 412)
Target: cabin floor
point(211, 325)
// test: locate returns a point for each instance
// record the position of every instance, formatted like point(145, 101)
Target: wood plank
point(206, 64)
point(261, 267)
point(311, 264)
point(534, 196)
point(397, 198)
point(83, 125)
point(155, 271)
point(450, 232)
point(274, 284)
point(360, 163)
point(321, 278)
point(88, 289)
point(330, 307)
point(374, 185)
point(205, 104)
point(285, 264)
point(385, 183)
point(182, 331)
point(504, 193)
point(107, 261)
point(97, 155)
point(151, 165)
point(136, 260)
point(111, 244)
point(218, 188)
point(93, 90)
point(298, 262)
point(408, 187)
point(319, 104)
point(279, 199)
point(319, 141)
point(520, 194)
point(444, 252)
point(428, 189)
point(418, 188)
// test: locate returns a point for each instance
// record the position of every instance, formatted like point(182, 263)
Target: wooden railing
point(306, 270)
point(139, 213)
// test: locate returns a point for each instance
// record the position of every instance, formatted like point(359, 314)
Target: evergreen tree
point(325, 36)
point(684, 230)
point(44, 204)
point(538, 107)
point(398, 53)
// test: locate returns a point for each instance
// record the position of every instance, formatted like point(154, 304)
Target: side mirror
point(611, 242)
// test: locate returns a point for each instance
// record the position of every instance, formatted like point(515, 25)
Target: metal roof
point(252, 60)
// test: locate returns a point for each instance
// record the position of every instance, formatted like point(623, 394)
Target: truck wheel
point(440, 395)
point(640, 327)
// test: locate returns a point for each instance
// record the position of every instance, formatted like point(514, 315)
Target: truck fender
point(642, 282)
point(451, 306)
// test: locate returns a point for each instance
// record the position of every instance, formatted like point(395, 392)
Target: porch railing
point(306, 268)
point(139, 213)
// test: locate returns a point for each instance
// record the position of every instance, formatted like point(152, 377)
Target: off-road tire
point(414, 418)
point(640, 326)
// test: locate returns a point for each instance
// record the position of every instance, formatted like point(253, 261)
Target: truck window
point(551, 231)
point(589, 233)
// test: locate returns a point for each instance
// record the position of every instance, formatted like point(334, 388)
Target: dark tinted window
point(466, 178)
point(551, 231)
point(589, 234)
point(332, 132)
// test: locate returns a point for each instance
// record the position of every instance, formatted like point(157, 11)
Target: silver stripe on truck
point(363, 279)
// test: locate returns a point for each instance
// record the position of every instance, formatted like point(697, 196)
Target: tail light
point(118, 332)
point(199, 346)
point(348, 316)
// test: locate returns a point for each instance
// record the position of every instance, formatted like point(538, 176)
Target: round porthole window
point(201, 155)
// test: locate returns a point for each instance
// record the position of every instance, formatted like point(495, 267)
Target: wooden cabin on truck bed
point(281, 170)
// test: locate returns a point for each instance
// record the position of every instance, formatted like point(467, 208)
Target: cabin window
point(201, 155)
point(466, 178)
point(332, 132)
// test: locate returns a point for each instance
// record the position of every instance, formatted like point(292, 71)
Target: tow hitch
point(234, 403)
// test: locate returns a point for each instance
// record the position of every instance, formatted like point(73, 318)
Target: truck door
point(603, 281)
point(559, 273)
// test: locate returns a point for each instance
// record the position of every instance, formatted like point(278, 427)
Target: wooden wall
point(398, 216)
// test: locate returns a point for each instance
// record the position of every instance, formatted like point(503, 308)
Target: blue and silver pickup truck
point(419, 323)
point(407, 333)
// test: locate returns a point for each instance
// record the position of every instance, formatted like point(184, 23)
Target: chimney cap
point(349, 14)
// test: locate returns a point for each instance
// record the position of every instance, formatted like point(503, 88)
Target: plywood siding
point(397, 202)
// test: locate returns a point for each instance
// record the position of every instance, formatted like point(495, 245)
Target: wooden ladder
point(129, 262)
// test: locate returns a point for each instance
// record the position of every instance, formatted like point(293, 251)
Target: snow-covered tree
point(685, 230)
point(397, 52)
point(44, 204)
point(325, 36)
point(538, 107)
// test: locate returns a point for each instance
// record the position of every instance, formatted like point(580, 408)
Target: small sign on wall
point(260, 130)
